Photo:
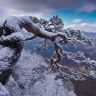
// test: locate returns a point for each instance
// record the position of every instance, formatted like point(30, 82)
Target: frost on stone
point(13, 36)
point(5, 55)
point(9, 54)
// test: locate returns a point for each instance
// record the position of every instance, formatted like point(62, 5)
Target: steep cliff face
point(9, 54)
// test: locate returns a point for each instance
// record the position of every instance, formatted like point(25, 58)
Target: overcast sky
point(78, 14)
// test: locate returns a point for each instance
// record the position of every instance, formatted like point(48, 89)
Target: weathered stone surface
point(85, 88)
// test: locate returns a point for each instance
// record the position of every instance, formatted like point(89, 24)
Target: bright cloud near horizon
point(78, 14)
point(77, 20)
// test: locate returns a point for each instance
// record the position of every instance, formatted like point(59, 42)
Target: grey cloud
point(2, 11)
point(92, 1)
point(88, 8)
point(43, 5)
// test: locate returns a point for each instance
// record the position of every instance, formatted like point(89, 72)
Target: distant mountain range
point(89, 34)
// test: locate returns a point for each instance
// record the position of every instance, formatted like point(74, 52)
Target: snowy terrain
point(32, 78)
point(31, 75)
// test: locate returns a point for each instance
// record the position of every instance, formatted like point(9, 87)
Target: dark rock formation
point(85, 88)
point(15, 44)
